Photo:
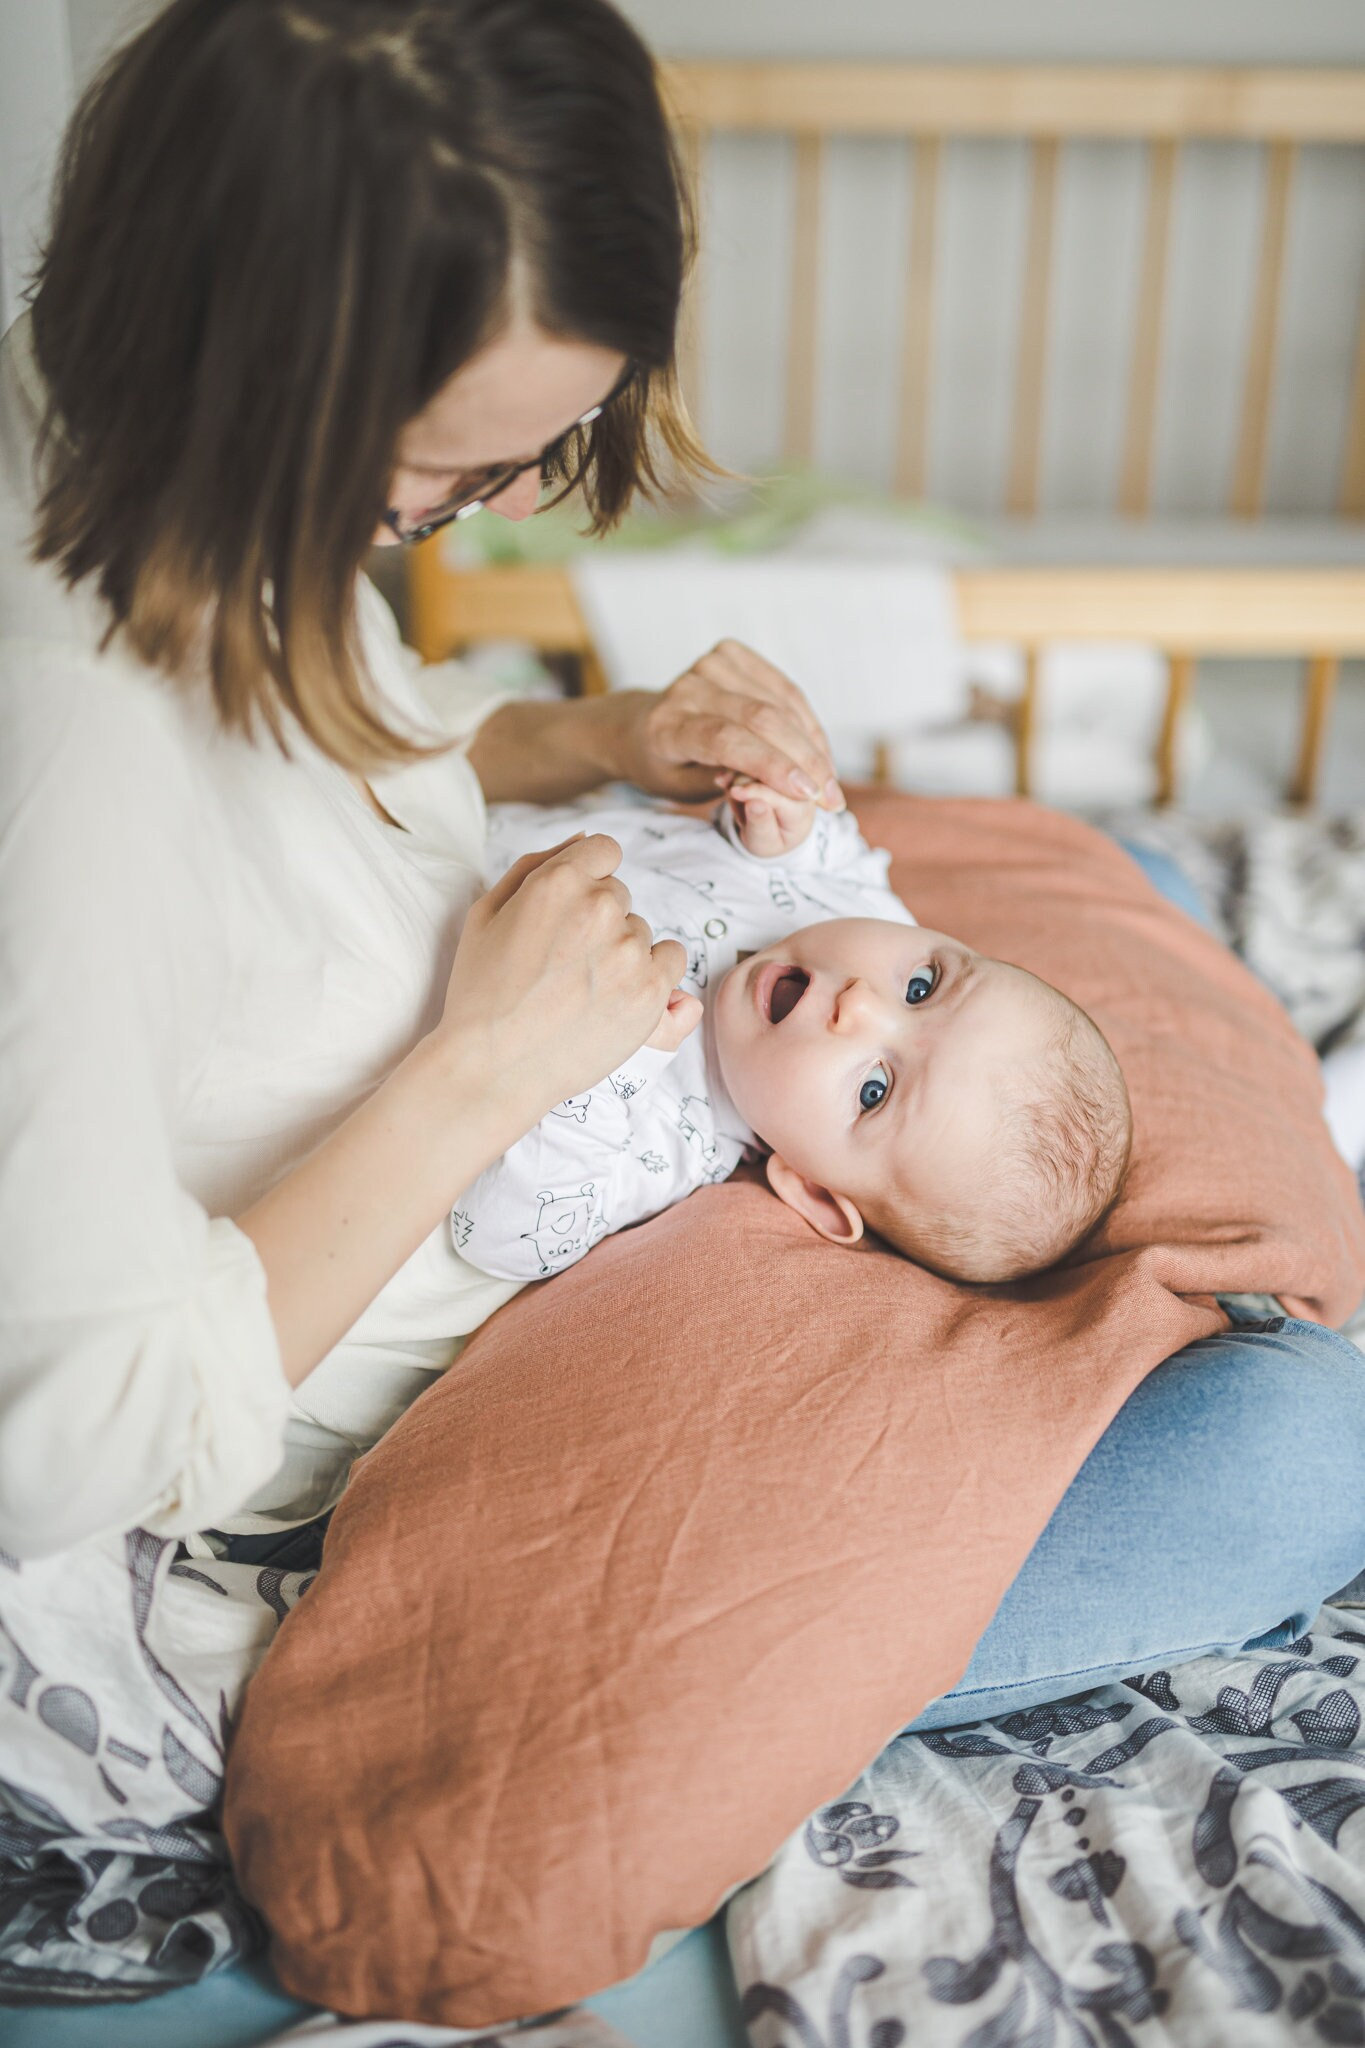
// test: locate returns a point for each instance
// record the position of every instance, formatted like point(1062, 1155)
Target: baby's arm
point(805, 841)
point(550, 1197)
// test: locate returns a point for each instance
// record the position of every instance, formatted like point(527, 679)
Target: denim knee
point(1294, 1433)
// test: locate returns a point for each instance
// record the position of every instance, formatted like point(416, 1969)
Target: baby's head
point(966, 1111)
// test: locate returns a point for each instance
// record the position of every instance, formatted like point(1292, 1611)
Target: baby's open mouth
point(786, 992)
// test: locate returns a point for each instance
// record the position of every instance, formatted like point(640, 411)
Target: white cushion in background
point(856, 605)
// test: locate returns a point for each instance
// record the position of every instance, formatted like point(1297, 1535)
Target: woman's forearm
point(542, 753)
point(336, 1229)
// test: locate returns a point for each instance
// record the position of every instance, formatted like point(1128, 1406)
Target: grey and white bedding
point(1169, 1860)
point(1179, 1859)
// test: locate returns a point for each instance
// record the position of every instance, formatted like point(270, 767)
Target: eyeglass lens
point(476, 489)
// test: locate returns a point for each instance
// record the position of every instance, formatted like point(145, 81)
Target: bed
point(901, 1911)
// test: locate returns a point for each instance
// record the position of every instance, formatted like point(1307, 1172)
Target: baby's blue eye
point(921, 985)
point(874, 1088)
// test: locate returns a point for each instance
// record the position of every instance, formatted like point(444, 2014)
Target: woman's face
point(517, 395)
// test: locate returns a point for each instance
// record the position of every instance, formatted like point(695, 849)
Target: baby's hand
point(769, 822)
point(679, 1020)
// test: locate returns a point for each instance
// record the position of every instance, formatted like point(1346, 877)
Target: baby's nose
point(853, 1004)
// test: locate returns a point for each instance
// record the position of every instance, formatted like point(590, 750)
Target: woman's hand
point(731, 713)
point(554, 984)
point(556, 981)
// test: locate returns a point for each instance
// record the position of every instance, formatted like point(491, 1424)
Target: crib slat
point(1353, 467)
point(912, 449)
point(798, 441)
point(1319, 688)
point(1135, 486)
point(1031, 363)
point(1025, 724)
point(1179, 685)
point(1248, 477)
point(692, 148)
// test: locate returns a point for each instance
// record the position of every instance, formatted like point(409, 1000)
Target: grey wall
point(35, 92)
point(747, 212)
point(1115, 31)
point(747, 201)
point(96, 25)
point(1104, 31)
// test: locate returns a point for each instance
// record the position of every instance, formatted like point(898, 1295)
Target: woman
point(316, 269)
point(324, 271)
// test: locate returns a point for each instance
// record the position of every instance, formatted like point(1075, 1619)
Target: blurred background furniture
point(1246, 581)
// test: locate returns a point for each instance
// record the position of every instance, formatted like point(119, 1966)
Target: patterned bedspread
point(1180, 1859)
point(1168, 1860)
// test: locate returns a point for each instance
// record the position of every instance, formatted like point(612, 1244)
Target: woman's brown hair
point(281, 226)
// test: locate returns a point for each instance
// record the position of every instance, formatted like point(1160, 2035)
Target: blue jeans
point(1222, 1506)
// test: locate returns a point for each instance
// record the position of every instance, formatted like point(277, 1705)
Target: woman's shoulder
point(94, 731)
point(109, 849)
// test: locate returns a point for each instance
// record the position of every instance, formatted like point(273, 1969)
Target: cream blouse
point(209, 954)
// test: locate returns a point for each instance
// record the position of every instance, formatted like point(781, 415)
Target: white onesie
point(662, 1124)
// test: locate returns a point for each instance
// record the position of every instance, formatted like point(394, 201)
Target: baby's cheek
point(741, 1069)
point(774, 1102)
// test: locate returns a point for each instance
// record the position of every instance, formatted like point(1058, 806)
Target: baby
point(898, 1082)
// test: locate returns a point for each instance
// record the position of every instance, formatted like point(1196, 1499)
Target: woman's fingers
point(734, 735)
point(507, 885)
point(592, 852)
point(765, 680)
point(747, 674)
point(779, 748)
point(731, 713)
point(557, 976)
point(669, 957)
point(750, 746)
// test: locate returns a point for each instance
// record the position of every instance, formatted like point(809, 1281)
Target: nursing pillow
point(690, 1531)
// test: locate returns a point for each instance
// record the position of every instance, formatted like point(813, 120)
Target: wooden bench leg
point(1319, 688)
point(1318, 691)
point(1179, 685)
point(1025, 721)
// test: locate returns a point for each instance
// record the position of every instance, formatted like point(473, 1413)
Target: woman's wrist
point(482, 1102)
point(534, 752)
point(332, 1232)
point(592, 737)
point(603, 733)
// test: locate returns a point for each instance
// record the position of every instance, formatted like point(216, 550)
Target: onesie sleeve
point(140, 1378)
point(555, 1193)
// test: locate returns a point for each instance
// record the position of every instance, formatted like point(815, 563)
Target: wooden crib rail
point(1046, 105)
point(1117, 101)
point(1188, 613)
point(1185, 612)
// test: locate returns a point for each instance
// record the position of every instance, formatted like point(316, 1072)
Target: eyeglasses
point(477, 486)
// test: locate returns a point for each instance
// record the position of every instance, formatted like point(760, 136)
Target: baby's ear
point(834, 1216)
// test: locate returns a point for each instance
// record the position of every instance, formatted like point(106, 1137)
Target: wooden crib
point(1316, 613)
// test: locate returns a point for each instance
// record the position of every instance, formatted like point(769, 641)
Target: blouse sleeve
point(140, 1379)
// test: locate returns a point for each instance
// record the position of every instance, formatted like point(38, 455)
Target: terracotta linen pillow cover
point(690, 1531)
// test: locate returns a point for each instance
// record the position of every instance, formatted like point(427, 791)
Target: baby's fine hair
point(1064, 1141)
